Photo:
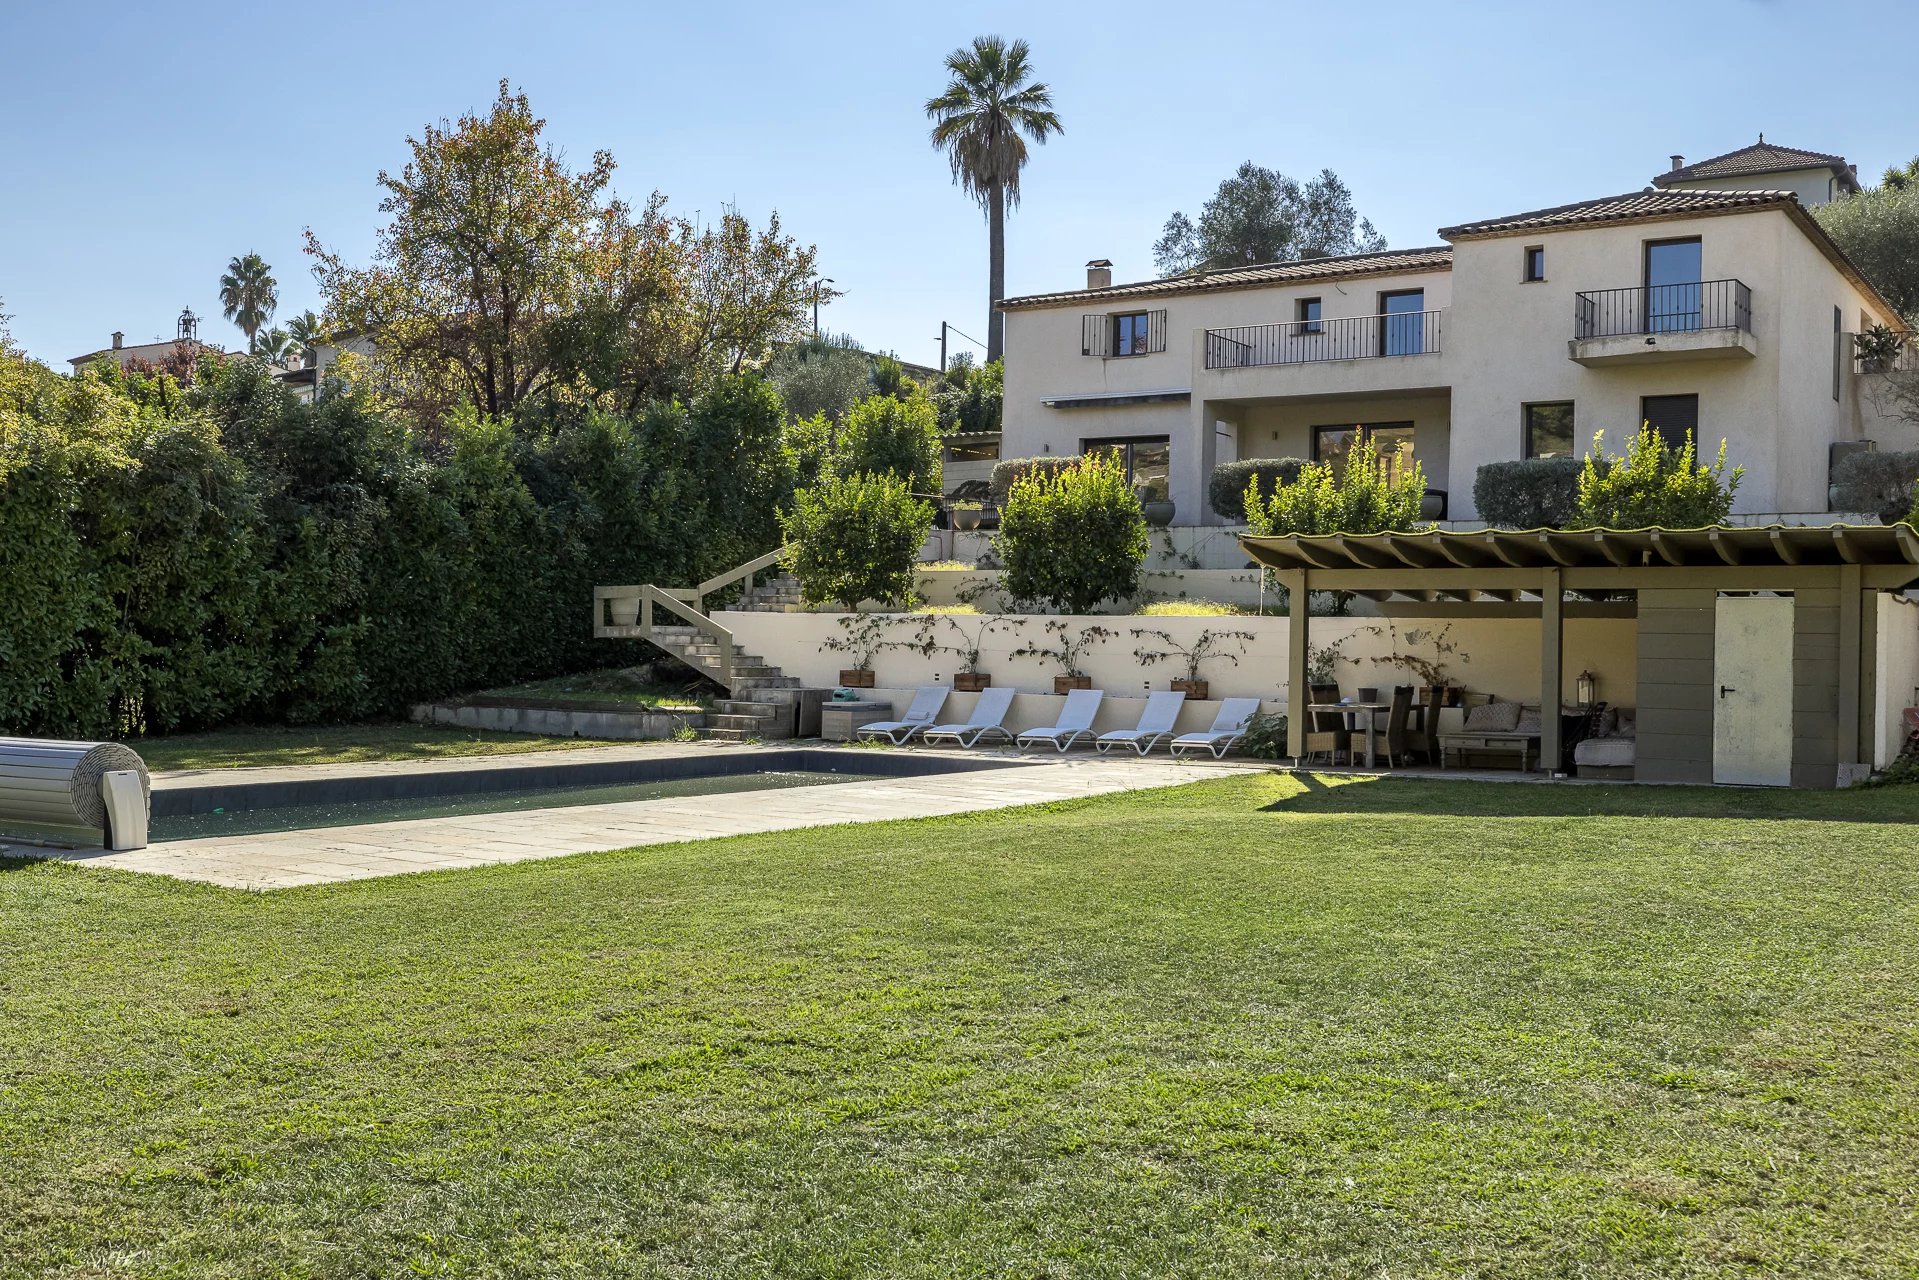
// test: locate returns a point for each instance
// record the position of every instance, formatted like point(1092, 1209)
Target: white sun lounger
point(991, 708)
point(1075, 722)
point(1228, 727)
point(926, 705)
point(1156, 722)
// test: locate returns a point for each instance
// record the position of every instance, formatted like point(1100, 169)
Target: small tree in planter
point(1072, 538)
point(969, 640)
point(1209, 645)
point(1063, 649)
point(861, 638)
point(856, 538)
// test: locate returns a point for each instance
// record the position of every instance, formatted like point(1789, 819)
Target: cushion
point(1606, 723)
point(1528, 722)
point(1605, 752)
point(1492, 717)
point(1628, 724)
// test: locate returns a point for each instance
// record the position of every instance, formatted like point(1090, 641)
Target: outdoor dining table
point(1367, 713)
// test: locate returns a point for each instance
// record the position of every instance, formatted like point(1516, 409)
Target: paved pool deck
point(331, 855)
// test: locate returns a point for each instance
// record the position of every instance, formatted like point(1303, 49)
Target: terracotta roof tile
point(1633, 207)
point(1761, 157)
point(1271, 273)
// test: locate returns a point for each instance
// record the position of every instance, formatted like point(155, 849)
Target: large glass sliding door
point(1672, 286)
point(1402, 324)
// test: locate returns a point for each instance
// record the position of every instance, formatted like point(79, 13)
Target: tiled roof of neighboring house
point(1635, 206)
point(1384, 262)
point(142, 350)
point(1759, 158)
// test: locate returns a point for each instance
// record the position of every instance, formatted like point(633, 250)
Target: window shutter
point(1156, 330)
point(1095, 335)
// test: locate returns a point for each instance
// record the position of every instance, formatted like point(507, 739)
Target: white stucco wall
point(1812, 186)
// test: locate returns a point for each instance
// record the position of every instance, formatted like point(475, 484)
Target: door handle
point(1726, 689)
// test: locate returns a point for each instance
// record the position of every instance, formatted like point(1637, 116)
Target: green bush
point(1226, 489)
point(1265, 737)
point(1072, 537)
point(857, 538)
point(885, 436)
point(1653, 486)
point(970, 398)
point(1877, 482)
point(1534, 493)
point(1360, 499)
point(1009, 470)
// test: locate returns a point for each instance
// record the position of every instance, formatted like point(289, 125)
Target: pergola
point(1544, 564)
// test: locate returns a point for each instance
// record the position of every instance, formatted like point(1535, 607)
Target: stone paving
point(328, 855)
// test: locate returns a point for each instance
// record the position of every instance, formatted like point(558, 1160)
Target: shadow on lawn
point(1548, 800)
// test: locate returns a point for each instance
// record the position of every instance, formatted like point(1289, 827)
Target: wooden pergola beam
point(1781, 544)
point(1611, 552)
point(1667, 551)
point(1559, 554)
point(1724, 546)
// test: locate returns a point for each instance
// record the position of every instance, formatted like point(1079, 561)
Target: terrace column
point(1298, 692)
point(1552, 661)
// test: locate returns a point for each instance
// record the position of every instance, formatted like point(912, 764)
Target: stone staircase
point(762, 703)
point(778, 594)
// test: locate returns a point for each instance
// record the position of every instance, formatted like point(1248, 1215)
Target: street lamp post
point(817, 285)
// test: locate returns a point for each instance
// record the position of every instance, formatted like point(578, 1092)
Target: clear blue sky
point(148, 146)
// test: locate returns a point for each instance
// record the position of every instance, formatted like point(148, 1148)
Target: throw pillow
point(1493, 717)
point(1528, 722)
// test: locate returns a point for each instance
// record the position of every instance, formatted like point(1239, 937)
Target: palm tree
point(274, 344)
point(249, 294)
point(978, 122)
point(304, 329)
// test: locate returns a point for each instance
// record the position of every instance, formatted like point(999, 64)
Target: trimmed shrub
point(1533, 493)
point(1072, 537)
point(1226, 490)
point(1879, 482)
point(1360, 499)
point(1654, 486)
point(857, 538)
point(1010, 469)
point(884, 436)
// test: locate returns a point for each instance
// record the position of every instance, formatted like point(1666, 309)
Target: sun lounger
point(1156, 722)
point(1075, 722)
point(991, 708)
point(1228, 727)
point(926, 705)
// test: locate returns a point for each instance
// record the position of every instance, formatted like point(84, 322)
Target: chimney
point(118, 338)
point(1099, 273)
point(1679, 162)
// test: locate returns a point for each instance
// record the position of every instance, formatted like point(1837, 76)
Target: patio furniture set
point(987, 721)
point(1598, 740)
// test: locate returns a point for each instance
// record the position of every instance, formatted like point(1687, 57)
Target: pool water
point(345, 813)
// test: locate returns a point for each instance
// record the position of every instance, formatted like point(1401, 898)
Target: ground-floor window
point(1549, 430)
point(1146, 458)
point(1394, 440)
point(1672, 417)
point(986, 451)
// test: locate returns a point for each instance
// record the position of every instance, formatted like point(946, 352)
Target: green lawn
point(1258, 1027)
point(335, 744)
point(615, 684)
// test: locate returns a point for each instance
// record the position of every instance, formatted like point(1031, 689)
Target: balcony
point(1401, 333)
point(1710, 320)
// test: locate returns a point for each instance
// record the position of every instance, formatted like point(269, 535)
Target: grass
point(1192, 609)
point(612, 685)
point(335, 744)
point(1259, 1027)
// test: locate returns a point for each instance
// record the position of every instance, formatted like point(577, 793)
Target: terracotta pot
point(971, 681)
point(1066, 684)
point(856, 679)
point(1194, 689)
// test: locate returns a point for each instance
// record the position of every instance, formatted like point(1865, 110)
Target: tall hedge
point(1878, 482)
point(1226, 488)
point(1532, 493)
point(1008, 470)
point(1073, 537)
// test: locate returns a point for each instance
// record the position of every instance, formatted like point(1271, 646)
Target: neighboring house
point(186, 330)
point(1731, 313)
point(1815, 177)
point(304, 380)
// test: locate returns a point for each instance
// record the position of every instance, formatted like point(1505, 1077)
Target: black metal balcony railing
point(1663, 308)
point(1403, 333)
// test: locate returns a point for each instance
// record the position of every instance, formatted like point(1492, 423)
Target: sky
point(147, 147)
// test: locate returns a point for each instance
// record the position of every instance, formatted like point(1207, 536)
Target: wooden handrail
point(687, 602)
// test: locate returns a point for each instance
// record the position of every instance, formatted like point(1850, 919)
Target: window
point(1549, 429)
point(972, 451)
point(1672, 286)
point(1535, 269)
point(1306, 311)
point(1671, 416)
point(1332, 445)
point(1402, 328)
point(1129, 334)
point(1838, 343)
point(1146, 458)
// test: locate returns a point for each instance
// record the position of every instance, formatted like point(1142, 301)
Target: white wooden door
point(1752, 691)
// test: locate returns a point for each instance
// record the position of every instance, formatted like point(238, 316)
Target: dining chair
point(1398, 742)
point(1327, 731)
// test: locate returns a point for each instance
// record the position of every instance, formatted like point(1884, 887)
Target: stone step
point(753, 724)
point(766, 686)
point(743, 707)
point(727, 735)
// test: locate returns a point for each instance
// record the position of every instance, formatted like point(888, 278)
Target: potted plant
point(860, 637)
point(1154, 503)
point(966, 516)
point(969, 641)
point(1064, 649)
point(1878, 349)
point(1209, 644)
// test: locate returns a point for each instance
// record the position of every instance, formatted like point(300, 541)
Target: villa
point(1710, 302)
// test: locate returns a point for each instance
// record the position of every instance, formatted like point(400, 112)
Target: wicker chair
point(1399, 743)
point(1326, 732)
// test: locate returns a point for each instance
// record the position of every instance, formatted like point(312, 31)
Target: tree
point(305, 331)
point(1899, 178)
point(1879, 230)
point(273, 345)
point(249, 293)
point(884, 436)
point(821, 376)
point(981, 122)
point(1073, 537)
point(970, 397)
point(1261, 215)
point(856, 538)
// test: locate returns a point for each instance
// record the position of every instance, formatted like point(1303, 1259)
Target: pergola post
point(1855, 687)
point(1298, 692)
point(1552, 662)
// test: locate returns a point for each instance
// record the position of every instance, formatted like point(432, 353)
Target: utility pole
point(817, 284)
point(942, 346)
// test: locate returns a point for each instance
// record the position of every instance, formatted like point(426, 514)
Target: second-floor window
point(1125, 333)
point(1535, 269)
point(1129, 334)
point(1549, 429)
point(1306, 312)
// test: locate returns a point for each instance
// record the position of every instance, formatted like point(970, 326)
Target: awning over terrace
point(1506, 566)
